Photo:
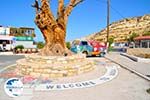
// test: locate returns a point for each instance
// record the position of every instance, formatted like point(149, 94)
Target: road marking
point(111, 73)
point(1, 80)
point(1, 63)
point(5, 68)
point(5, 62)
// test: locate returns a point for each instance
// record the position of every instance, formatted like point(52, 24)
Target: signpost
point(24, 38)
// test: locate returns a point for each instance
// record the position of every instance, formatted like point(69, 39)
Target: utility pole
point(108, 19)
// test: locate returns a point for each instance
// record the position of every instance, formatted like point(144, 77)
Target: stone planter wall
point(54, 67)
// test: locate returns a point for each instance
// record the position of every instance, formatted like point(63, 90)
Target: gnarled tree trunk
point(54, 29)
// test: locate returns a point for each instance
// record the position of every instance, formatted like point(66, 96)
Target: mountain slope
point(120, 30)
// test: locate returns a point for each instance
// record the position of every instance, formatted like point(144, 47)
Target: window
point(84, 43)
point(22, 32)
point(144, 44)
point(4, 41)
point(149, 43)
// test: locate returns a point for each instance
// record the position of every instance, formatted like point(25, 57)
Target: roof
point(22, 28)
point(142, 38)
point(27, 28)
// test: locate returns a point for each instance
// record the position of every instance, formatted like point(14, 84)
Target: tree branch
point(60, 10)
point(70, 7)
point(60, 14)
point(77, 2)
point(36, 6)
point(45, 8)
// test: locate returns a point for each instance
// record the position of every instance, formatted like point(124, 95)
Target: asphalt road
point(6, 60)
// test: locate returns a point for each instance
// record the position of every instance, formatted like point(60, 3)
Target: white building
point(7, 42)
point(4, 30)
point(6, 34)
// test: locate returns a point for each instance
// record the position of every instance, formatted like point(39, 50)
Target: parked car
point(90, 48)
point(82, 47)
point(99, 49)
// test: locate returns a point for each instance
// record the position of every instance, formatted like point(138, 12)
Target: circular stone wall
point(54, 66)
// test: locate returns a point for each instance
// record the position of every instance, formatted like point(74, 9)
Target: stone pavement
point(140, 67)
point(126, 86)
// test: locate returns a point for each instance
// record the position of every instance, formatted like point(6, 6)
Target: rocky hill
point(121, 30)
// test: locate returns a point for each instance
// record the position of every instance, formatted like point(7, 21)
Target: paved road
point(126, 86)
point(141, 67)
point(6, 60)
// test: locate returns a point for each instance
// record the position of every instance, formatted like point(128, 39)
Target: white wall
point(26, 44)
point(4, 30)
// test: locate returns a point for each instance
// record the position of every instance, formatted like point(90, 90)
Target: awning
point(142, 38)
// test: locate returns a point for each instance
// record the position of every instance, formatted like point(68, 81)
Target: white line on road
point(7, 67)
point(1, 80)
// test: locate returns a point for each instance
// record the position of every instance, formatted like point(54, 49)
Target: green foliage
point(40, 45)
point(132, 36)
point(147, 33)
point(68, 45)
point(148, 90)
point(110, 40)
point(110, 48)
point(19, 47)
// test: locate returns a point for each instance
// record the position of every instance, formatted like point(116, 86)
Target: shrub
point(110, 48)
point(40, 45)
point(68, 45)
point(147, 33)
point(132, 36)
point(110, 40)
point(148, 90)
point(19, 47)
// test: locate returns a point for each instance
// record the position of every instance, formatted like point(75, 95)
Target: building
point(22, 31)
point(26, 41)
point(6, 42)
point(23, 35)
point(142, 42)
point(4, 30)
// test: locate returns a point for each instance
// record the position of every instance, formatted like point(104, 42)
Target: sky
point(86, 18)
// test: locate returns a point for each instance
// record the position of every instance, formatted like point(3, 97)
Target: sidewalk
point(140, 67)
point(11, 53)
point(6, 53)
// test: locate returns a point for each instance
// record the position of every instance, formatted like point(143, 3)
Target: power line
point(117, 12)
point(102, 1)
point(105, 1)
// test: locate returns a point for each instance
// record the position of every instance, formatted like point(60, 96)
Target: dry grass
point(142, 55)
point(139, 52)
